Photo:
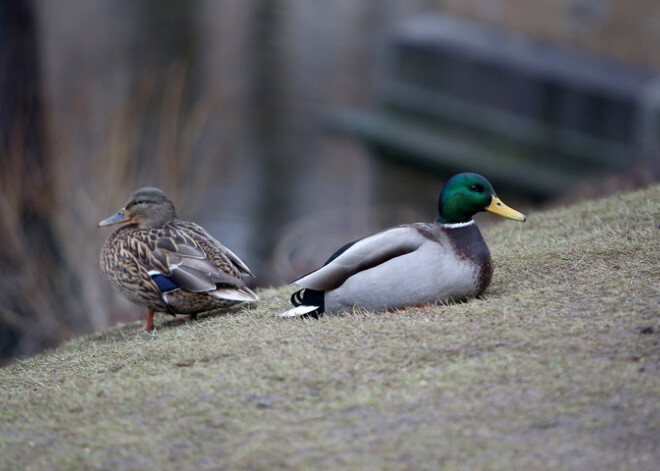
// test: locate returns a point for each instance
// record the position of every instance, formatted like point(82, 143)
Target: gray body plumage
point(413, 264)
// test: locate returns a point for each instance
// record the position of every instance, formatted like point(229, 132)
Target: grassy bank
point(557, 367)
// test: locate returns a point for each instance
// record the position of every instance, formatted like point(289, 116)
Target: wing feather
point(210, 243)
point(362, 255)
point(185, 263)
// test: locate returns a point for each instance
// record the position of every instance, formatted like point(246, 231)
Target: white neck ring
point(457, 225)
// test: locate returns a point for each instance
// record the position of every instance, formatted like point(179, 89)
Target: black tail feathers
point(309, 297)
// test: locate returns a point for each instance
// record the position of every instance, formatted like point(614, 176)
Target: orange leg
point(150, 322)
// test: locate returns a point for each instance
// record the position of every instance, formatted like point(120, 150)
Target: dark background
point(232, 108)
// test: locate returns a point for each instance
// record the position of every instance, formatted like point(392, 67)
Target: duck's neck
point(452, 216)
point(455, 225)
point(451, 213)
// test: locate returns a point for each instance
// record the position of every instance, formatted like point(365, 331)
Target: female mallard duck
point(412, 264)
point(167, 264)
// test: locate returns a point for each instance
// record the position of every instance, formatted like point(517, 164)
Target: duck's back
point(218, 254)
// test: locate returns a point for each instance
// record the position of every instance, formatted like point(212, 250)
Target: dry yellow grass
point(557, 367)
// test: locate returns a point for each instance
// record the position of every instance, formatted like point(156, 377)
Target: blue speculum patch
point(164, 283)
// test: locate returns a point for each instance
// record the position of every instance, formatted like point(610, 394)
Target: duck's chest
point(455, 259)
point(125, 253)
point(469, 249)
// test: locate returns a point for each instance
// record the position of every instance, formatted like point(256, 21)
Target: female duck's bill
point(118, 217)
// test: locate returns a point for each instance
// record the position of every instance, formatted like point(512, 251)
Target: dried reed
point(154, 135)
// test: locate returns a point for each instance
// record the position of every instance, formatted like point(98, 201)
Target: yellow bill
point(496, 206)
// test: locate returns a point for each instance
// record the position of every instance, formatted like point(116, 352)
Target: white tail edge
point(298, 311)
point(234, 295)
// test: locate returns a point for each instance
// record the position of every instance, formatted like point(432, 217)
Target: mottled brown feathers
point(170, 265)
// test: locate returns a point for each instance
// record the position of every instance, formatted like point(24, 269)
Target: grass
point(557, 367)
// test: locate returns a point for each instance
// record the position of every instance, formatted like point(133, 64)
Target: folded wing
point(362, 255)
point(186, 265)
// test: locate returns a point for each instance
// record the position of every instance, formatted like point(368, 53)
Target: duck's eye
point(477, 188)
point(140, 202)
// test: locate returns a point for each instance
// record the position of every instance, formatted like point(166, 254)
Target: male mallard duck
point(167, 264)
point(412, 264)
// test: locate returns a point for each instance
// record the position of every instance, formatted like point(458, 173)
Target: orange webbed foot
point(149, 325)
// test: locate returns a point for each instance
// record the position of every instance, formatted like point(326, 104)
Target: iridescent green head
point(466, 194)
